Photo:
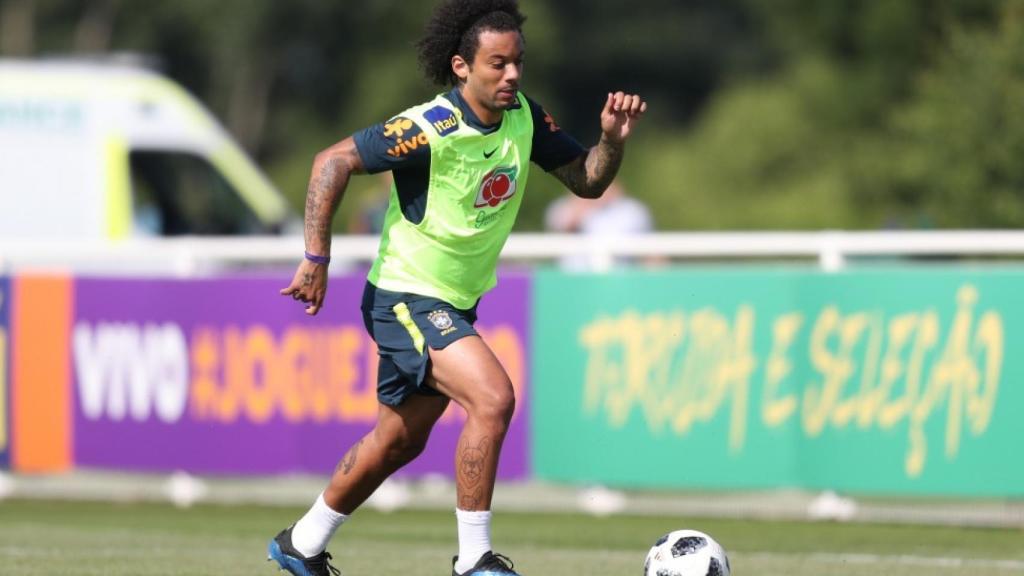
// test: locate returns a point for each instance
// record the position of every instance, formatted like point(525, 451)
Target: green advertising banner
point(899, 380)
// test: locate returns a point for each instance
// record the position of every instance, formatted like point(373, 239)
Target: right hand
point(309, 286)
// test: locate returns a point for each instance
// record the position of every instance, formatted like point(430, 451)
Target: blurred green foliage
point(764, 114)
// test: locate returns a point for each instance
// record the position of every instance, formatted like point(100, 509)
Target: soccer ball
point(686, 553)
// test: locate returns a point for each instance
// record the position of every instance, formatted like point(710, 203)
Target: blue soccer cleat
point(490, 564)
point(288, 558)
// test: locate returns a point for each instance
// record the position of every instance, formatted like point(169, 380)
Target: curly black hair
point(455, 27)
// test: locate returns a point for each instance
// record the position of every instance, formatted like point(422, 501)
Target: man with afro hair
point(460, 164)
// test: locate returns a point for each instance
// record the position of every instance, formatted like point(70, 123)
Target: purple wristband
point(318, 259)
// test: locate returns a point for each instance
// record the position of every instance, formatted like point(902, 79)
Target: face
point(490, 82)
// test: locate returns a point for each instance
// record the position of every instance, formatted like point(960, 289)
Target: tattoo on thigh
point(349, 460)
point(471, 462)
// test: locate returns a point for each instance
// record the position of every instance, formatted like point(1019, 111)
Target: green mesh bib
point(475, 187)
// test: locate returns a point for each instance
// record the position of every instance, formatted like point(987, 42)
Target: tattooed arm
point(327, 182)
point(331, 170)
point(589, 175)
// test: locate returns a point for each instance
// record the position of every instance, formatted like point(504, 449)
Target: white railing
point(831, 249)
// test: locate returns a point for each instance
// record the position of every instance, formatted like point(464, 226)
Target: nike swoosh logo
point(491, 153)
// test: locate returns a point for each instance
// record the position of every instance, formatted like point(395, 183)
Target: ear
point(460, 67)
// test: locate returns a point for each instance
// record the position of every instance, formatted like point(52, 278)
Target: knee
point(497, 406)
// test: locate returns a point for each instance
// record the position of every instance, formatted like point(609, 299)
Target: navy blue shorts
point(404, 326)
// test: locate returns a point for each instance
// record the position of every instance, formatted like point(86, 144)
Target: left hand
point(309, 286)
point(621, 112)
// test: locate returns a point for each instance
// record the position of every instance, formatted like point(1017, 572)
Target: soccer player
point(460, 164)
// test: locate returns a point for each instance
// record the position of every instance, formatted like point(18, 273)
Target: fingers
point(621, 101)
point(631, 104)
point(294, 290)
point(298, 295)
point(638, 106)
point(627, 102)
point(316, 303)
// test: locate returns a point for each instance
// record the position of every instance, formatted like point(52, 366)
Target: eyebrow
point(503, 57)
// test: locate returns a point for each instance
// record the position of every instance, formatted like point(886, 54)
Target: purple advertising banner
point(226, 376)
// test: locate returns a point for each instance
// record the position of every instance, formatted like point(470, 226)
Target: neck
point(484, 114)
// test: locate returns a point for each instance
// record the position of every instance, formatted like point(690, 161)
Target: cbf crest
point(442, 321)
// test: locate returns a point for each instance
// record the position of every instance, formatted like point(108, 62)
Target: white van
point(101, 151)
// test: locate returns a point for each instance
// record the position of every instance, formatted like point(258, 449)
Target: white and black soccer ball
point(686, 553)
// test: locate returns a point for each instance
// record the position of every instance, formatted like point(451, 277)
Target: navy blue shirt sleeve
point(393, 145)
point(552, 147)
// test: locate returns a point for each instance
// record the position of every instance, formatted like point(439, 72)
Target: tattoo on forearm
point(322, 198)
point(574, 176)
point(602, 164)
point(349, 461)
point(590, 175)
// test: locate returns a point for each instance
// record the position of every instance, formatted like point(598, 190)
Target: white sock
point(474, 537)
point(312, 532)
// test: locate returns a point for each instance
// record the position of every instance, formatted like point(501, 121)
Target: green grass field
point(48, 538)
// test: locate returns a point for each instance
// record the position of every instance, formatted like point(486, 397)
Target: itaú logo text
point(497, 186)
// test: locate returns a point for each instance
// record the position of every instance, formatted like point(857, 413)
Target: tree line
point(780, 114)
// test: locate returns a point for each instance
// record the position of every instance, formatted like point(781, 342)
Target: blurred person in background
point(614, 214)
point(460, 164)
